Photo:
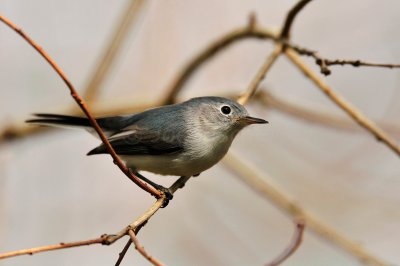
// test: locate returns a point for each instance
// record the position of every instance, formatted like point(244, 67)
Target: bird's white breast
point(201, 153)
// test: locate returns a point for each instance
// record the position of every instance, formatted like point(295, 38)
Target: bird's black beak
point(252, 120)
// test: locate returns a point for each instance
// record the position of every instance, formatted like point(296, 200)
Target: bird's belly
point(178, 165)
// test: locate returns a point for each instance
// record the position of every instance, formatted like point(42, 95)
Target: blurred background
point(51, 192)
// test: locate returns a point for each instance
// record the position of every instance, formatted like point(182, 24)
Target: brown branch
point(262, 72)
point(249, 32)
point(141, 250)
point(293, 246)
point(313, 114)
point(31, 251)
point(357, 116)
point(123, 252)
point(106, 239)
point(287, 25)
point(111, 52)
point(260, 183)
point(85, 109)
point(324, 63)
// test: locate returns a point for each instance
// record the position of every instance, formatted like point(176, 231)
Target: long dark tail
point(61, 120)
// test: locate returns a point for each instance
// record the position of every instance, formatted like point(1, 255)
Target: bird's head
point(221, 115)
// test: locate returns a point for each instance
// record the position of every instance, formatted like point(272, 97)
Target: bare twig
point(85, 109)
point(104, 239)
point(31, 251)
point(121, 255)
point(119, 36)
point(324, 63)
point(293, 246)
point(314, 114)
point(259, 182)
point(361, 119)
point(189, 69)
point(262, 72)
point(287, 25)
point(141, 250)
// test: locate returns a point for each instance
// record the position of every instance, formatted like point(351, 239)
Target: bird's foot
point(168, 195)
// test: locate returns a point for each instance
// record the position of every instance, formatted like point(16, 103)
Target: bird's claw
point(168, 195)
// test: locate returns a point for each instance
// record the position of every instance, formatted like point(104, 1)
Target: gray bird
point(182, 139)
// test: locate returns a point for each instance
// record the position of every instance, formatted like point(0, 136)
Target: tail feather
point(62, 120)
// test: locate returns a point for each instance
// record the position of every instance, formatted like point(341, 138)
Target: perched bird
point(182, 139)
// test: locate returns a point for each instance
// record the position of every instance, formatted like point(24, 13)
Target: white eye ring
point(226, 110)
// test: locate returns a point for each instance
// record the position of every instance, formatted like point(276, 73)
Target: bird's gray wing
point(142, 142)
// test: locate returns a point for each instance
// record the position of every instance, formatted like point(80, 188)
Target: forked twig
point(357, 116)
point(259, 182)
point(141, 250)
point(249, 32)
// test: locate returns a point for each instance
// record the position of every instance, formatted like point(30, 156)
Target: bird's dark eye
point(226, 110)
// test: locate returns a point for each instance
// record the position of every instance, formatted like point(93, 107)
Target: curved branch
point(85, 109)
point(293, 246)
point(287, 25)
point(215, 47)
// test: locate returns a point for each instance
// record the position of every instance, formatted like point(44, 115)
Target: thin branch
point(287, 25)
point(106, 239)
point(249, 32)
point(141, 250)
point(31, 251)
point(357, 116)
point(258, 181)
point(262, 72)
point(324, 63)
point(131, 13)
point(293, 246)
point(123, 252)
point(314, 114)
point(85, 109)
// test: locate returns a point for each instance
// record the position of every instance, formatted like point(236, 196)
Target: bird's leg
point(168, 193)
point(180, 183)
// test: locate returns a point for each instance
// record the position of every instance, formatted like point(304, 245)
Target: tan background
point(51, 192)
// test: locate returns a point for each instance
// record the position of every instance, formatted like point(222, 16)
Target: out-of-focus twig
point(85, 109)
point(259, 182)
point(287, 25)
point(314, 114)
point(131, 13)
point(361, 119)
point(324, 63)
point(262, 72)
point(142, 251)
point(293, 246)
point(251, 31)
